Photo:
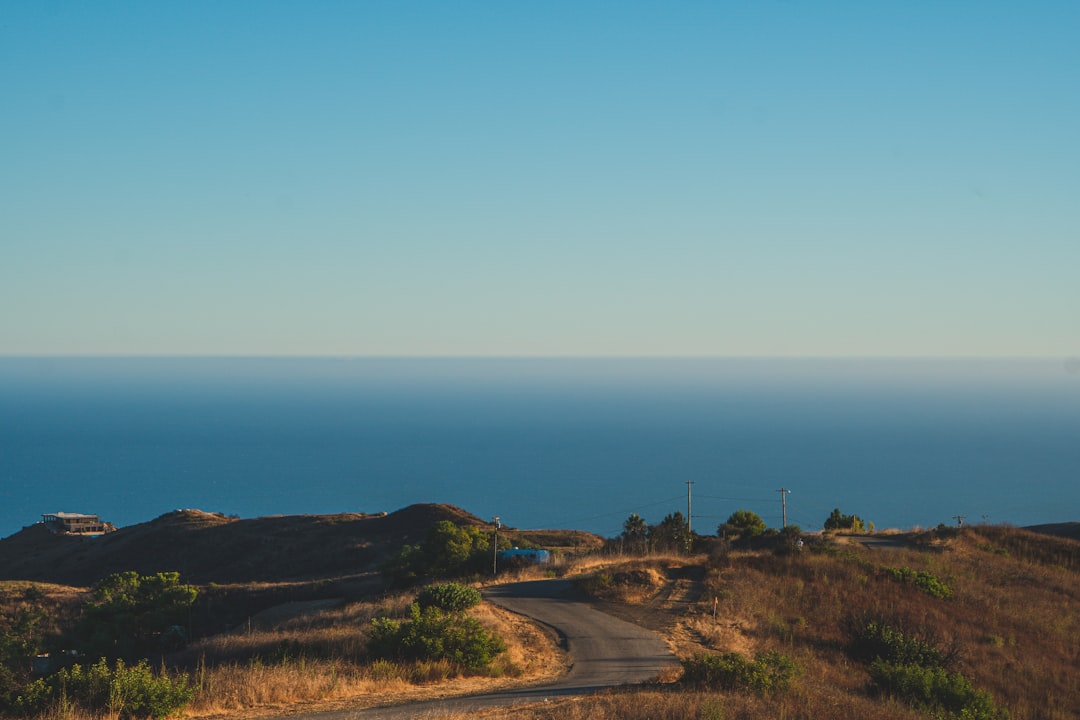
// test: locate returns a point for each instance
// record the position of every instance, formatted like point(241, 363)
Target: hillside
point(206, 547)
point(991, 611)
point(990, 608)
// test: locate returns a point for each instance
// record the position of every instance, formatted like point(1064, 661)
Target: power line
point(620, 512)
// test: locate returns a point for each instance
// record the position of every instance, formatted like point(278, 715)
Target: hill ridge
point(210, 547)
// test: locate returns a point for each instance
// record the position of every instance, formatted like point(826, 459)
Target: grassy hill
point(211, 548)
point(998, 606)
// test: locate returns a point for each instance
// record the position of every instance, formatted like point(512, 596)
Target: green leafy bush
point(927, 582)
point(839, 521)
point(914, 670)
point(743, 522)
point(935, 689)
point(766, 674)
point(448, 550)
point(877, 640)
point(126, 692)
point(130, 614)
point(450, 597)
point(431, 634)
point(20, 640)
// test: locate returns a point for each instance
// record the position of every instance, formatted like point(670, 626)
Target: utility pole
point(783, 503)
point(689, 530)
point(495, 548)
point(959, 520)
point(688, 525)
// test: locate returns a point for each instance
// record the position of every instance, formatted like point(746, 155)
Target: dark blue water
point(543, 443)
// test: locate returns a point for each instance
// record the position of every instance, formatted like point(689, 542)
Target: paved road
point(881, 541)
point(605, 652)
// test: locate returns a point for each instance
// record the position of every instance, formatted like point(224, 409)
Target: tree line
point(673, 534)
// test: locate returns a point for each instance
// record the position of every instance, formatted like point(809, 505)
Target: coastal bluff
point(214, 548)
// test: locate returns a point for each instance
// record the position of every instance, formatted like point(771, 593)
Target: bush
point(935, 689)
point(450, 597)
point(876, 640)
point(790, 541)
point(127, 692)
point(20, 641)
point(914, 670)
point(839, 521)
point(130, 613)
point(924, 581)
point(447, 551)
point(431, 634)
point(743, 522)
point(766, 674)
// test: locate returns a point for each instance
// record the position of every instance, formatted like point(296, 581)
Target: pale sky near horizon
point(586, 178)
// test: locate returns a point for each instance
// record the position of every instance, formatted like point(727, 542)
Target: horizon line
point(523, 356)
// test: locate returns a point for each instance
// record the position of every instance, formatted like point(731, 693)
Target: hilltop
point(992, 611)
point(212, 548)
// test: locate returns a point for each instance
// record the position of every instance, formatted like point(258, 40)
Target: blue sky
point(511, 178)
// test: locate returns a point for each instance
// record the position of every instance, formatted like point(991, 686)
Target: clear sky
point(540, 178)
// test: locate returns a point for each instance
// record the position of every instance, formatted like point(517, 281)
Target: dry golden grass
point(317, 661)
point(1014, 617)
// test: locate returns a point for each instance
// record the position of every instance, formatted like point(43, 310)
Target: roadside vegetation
point(374, 650)
point(974, 624)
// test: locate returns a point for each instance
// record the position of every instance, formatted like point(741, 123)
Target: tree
point(743, 522)
point(839, 521)
point(20, 640)
point(448, 550)
point(790, 540)
point(635, 532)
point(447, 547)
point(672, 533)
point(129, 612)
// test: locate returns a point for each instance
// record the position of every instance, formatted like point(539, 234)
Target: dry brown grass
point(1015, 622)
point(1014, 618)
point(674, 704)
point(317, 661)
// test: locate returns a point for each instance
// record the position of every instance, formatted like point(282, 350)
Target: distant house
point(76, 524)
point(528, 555)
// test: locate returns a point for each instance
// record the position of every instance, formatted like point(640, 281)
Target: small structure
point(532, 556)
point(64, 523)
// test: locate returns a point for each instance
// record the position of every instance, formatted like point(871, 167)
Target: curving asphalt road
point(604, 650)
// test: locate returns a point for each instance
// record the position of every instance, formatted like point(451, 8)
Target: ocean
point(544, 443)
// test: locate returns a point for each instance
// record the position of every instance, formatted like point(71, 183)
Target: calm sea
point(553, 443)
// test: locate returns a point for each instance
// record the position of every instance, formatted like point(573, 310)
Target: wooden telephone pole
point(783, 504)
point(495, 551)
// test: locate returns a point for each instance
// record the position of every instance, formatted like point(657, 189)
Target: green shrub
point(742, 522)
point(448, 550)
point(876, 640)
point(130, 614)
point(928, 583)
point(934, 689)
point(766, 674)
point(450, 597)
point(127, 692)
point(839, 521)
point(431, 634)
point(20, 640)
point(791, 542)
